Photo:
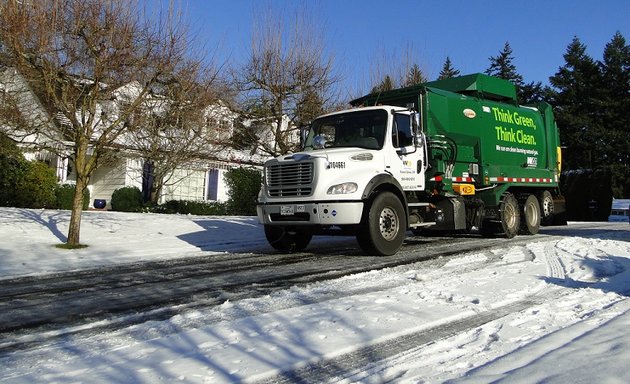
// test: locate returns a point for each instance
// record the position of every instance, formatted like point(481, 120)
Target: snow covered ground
point(555, 310)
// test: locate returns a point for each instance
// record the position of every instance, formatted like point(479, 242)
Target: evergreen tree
point(615, 67)
point(576, 106)
point(532, 93)
point(501, 66)
point(616, 95)
point(414, 76)
point(387, 84)
point(448, 70)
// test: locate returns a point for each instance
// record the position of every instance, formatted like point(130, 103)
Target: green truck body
point(479, 136)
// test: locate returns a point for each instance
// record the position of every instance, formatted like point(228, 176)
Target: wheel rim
point(547, 207)
point(388, 224)
point(531, 214)
point(510, 216)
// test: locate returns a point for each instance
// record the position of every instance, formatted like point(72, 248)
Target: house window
point(212, 191)
point(188, 185)
point(210, 124)
point(219, 128)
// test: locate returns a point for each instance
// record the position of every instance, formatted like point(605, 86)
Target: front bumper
point(323, 213)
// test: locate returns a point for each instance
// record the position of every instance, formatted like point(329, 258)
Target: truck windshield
point(362, 129)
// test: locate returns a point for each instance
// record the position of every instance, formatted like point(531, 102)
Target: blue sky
point(359, 32)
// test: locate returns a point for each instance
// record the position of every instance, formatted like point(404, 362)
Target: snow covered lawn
point(555, 310)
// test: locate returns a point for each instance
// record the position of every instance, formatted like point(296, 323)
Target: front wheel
point(383, 229)
point(287, 239)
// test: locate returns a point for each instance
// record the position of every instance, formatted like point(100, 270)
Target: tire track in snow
point(113, 297)
point(338, 368)
point(368, 359)
point(554, 266)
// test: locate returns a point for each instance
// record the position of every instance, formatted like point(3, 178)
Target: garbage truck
point(458, 155)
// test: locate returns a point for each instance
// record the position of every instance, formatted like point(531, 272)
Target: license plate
point(286, 210)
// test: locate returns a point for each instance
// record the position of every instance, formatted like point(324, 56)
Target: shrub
point(23, 183)
point(127, 199)
point(36, 189)
point(244, 185)
point(65, 193)
point(192, 207)
point(13, 167)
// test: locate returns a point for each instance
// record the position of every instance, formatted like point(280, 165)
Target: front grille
point(289, 179)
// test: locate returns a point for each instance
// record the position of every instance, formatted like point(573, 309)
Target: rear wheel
point(510, 215)
point(287, 239)
point(546, 207)
point(384, 227)
point(530, 216)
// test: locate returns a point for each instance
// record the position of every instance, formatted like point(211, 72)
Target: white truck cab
point(350, 178)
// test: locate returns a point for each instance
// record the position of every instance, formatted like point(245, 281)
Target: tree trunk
point(281, 145)
point(82, 177)
point(156, 192)
point(77, 209)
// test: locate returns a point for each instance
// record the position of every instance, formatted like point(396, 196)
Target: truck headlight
point(342, 189)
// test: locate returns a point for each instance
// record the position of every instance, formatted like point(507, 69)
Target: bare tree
point(92, 65)
point(287, 78)
point(177, 127)
point(391, 69)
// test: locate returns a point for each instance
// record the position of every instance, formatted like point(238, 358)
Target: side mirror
point(319, 142)
point(417, 129)
point(415, 123)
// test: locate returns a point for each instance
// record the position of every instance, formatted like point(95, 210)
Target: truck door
point(407, 163)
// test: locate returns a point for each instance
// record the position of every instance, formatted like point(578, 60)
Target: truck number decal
point(336, 164)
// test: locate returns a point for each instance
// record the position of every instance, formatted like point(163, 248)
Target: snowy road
point(553, 308)
point(155, 290)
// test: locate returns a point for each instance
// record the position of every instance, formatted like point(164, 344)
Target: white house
point(265, 132)
point(201, 179)
point(620, 210)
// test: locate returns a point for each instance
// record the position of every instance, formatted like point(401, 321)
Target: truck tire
point(383, 230)
point(530, 216)
point(510, 215)
point(287, 240)
point(546, 207)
